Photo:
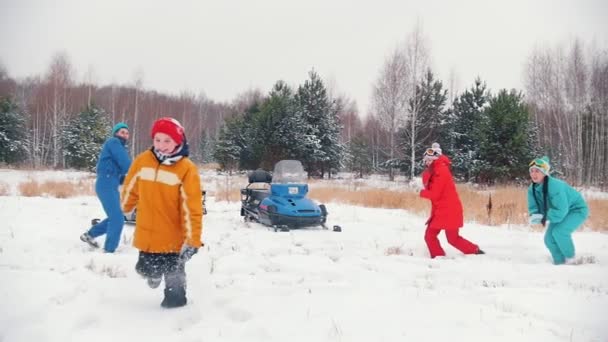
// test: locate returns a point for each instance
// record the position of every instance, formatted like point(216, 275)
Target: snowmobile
point(281, 203)
point(130, 217)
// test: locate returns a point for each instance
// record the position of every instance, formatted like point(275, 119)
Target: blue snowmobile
point(282, 203)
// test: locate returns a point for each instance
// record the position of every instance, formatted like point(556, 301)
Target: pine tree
point(279, 135)
point(229, 145)
point(293, 132)
point(251, 138)
point(533, 140)
point(429, 102)
point(466, 121)
point(83, 137)
point(360, 156)
point(13, 133)
point(206, 147)
point(504, 149)
point(320, 116)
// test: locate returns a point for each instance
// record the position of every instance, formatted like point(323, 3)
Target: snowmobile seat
point(259, 176)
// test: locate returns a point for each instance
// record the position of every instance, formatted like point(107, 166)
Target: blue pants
point(558, 237)
point(107, 191)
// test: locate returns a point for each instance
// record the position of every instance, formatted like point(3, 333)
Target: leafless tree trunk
point(577, 96)
point(454, 86)
point(59, 79)
point(138, 82)
point(113, 103)
point(599, 117)
point(89, 80)
point(417, 57)
point(389, 98)
point(565, 93)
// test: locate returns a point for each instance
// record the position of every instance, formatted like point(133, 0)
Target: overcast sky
point(225, 47)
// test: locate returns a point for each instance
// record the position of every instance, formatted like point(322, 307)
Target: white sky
point(223, 48)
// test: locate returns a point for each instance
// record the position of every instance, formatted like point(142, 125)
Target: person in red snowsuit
point(446, 210)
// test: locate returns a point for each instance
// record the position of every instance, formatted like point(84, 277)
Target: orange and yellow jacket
point(169, 203)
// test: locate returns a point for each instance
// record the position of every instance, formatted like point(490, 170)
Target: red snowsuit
point(446, 211)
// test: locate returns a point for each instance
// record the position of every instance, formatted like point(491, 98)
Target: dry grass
point(58, 189)
point(5, 189)
point(397, 250)
point(496, 206)
point(598, 215)
point(227, 189)
point(508, 204)
point(111, 271)
point(372, 198)
point(210, 166)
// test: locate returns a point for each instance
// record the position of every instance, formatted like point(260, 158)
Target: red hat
point(170, 127)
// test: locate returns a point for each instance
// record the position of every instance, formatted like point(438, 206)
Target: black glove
point(187, 252)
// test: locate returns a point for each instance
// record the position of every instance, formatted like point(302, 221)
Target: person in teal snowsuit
point(557, 206)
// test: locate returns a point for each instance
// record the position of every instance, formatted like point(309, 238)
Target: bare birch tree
point(598, 120)
point(389, 99)
point(417, 54)
point(138, 81)
point(564, 90)
point(59, 80)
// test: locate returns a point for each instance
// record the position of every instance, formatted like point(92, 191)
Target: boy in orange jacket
point(165, 186)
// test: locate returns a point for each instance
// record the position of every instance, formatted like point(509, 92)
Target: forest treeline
point(56, 120)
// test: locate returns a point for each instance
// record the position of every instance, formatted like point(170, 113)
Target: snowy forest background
point(61, 119)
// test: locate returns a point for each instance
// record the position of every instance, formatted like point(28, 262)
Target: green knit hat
point(542, 164)
point(118, 126)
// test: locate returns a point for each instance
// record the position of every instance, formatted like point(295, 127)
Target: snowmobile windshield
point(289, 171)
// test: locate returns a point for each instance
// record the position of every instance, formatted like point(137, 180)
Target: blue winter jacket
point(561, 200)
point(114, 160)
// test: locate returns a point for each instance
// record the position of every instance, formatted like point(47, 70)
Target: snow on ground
point(251, 284)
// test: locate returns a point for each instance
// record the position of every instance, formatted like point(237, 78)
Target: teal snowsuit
point(564, 209)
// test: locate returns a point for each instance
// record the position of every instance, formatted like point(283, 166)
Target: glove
point(536, 219)
point(187, 252)
point(416, 184)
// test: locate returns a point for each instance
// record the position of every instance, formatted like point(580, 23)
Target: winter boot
point(154, 282)
point(89, 240)
point(174, 298)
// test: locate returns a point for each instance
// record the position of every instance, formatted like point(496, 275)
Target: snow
point(372, 282)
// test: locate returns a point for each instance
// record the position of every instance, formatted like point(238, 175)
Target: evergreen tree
point(13, 133)
point(359, 160)
point(83, 137)
point(320, 118)
point(251, 138)
point(279, 132)
point(294, 135)
point(504, 148)
point(429, 102)
point(330, 141)
point(466, 121)
point(207, 146)
point(533, 140)
point(229, 145)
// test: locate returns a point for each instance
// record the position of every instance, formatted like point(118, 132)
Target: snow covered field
point(372, 282)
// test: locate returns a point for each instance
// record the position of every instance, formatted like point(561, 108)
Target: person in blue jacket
point(112, 166)
point(557, 206)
